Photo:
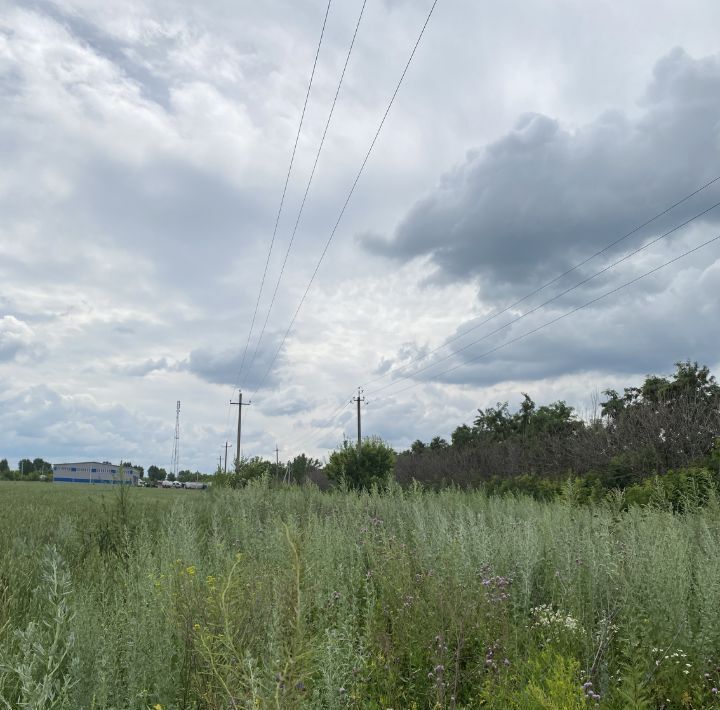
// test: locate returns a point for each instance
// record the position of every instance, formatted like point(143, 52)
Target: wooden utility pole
point(359, 399)
point(227, 445)
point(239, 404)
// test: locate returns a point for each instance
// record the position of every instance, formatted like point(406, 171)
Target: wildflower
point(196, 627)
point(191, 570)
point(714, 691)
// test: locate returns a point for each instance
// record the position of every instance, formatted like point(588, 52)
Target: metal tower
point(175, 465)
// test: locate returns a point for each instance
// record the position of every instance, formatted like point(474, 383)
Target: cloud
point(222, 366)
point(17, 339)
point(76, 427)
point(544, 195)
point(645, 328)
point(141, 369)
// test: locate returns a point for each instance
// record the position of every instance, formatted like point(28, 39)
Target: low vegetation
point(287, 597)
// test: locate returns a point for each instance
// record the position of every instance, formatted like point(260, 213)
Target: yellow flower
point(191, 570)
point(157, 706)
point(196, 627)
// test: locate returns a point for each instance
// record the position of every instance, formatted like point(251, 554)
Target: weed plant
point(293, 598)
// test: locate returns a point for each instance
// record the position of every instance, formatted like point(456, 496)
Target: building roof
point(94, 463)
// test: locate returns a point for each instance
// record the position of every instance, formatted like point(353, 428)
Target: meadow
point(270, 597)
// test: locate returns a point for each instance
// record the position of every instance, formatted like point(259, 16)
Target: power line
point(565, 315)
point(282, 202)
point(550, 300)
point(544, 286)
point(287, 180)
point(307, 188)
point(349, 196)
point(304, 439)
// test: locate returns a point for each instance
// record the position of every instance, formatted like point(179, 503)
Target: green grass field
point(293, 598)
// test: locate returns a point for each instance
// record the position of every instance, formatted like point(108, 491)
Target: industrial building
point(94, 472)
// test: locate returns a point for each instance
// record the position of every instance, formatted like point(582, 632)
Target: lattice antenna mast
point(175, 465)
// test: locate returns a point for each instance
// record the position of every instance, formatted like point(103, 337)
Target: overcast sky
point(144, 146)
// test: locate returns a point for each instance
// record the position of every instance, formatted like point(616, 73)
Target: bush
point(363, 466)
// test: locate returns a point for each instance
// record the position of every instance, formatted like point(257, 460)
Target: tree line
point(664, 433)
point(665, 426)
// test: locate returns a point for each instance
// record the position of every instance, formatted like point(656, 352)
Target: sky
point(144, 149)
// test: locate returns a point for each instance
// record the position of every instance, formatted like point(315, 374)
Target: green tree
point(418, 447)
point(255, 467)
point(128, 464)
point(438, 444)
point(25, 466)
point(301, 466)
point(4, 466)
point(41, 466)
point(495, 423)
point(155, 473)
point(362, 466)
point(463, 436)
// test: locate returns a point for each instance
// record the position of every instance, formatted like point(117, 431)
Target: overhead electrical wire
point(349, 196)
point(307, 187)
point(306, 439)
point(550, 300)
point(331, 417)
point(563, 315)
point(285, 186)
point(543, 286)
point(282, 202)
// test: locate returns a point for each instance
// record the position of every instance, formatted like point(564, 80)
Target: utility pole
point(175, 465)
point(227, 444)
point(239, 404)
point(359, 399)
point(277, 458)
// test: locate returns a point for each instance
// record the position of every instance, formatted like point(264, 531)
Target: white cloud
point(145, 145)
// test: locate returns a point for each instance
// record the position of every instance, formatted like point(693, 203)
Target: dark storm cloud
point(543, 196)
point(638, 330)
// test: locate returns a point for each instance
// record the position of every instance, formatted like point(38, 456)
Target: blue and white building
point(95, 472)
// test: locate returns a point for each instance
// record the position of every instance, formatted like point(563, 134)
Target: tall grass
point(291, 598)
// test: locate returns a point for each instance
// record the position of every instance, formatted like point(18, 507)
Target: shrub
point(361, 467)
